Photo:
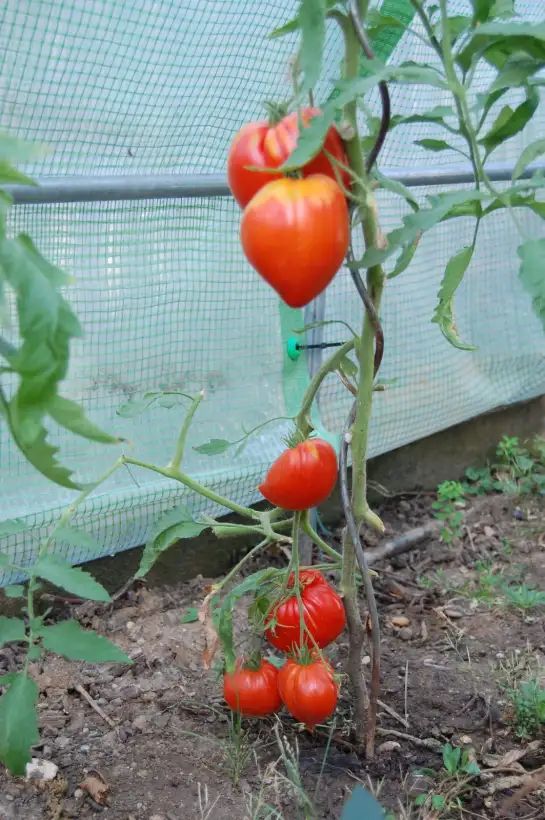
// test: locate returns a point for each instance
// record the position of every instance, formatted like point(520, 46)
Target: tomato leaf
point(396, 187)
point(225, 617)
point(484, 10)
point(405, 258)
point(444, 315)
point(75, 538)
point(530, 153)
point(312, 23)
point(434, 145)
point(11, 629)
point(531, 274)
point(214, 447)
point(436, 114)
point(497, 42)
point(72, 579)
point(509, 122)
point(362, 804)
point(348, 368)
point(15, 150)
point(14, 591)
point(71, 416)
point(515, 72)
point(172, 526)
point(18, 723)
point(11, 176)
point(68, 639)
point(191, 616)
point(12, 526)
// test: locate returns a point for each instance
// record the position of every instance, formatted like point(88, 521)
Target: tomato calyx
point(295, 438)
point(275, 111)
point(253, 661)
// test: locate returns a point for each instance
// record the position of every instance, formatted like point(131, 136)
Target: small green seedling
point(529, 704)
point(448, 509)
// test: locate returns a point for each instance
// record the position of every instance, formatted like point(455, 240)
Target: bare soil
point(162, 741)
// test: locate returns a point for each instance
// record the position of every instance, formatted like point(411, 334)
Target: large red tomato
point(262, 145)
point(295, 233)
point(252, 692)
point(323, 614)
point(309, 691)
point(302, 477)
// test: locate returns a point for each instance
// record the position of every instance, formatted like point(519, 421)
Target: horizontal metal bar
point(190, 186)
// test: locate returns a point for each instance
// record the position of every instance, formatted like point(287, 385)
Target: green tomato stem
point(327, 367)
point(182, 438)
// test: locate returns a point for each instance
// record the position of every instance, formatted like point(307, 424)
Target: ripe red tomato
point(301, 477)
point(323, 614)
point(309, 691)
point(252, 692)
point(262, 145)
point(295, 233)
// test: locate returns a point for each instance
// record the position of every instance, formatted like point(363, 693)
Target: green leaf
point(497, 42)
point(253, 583)
point(471, 768)
point(12, 526)
point(530, 153)
point(457, 23)
point(419, 222)
point(376, 22)
point(169, 528)
point(312, 23)
point(71, 416)
point(11, 176)
point(214, 447)
point(515, 72)
point(287, 28)
point(72, 579)
point(323, 323)
point(509, 122)
point(532, 274)
point(16, 151)
point(348, 368)
point(131, 409)
point(14, 591)
point(68, 639)
point(191, 616)
point(18, 723)
point(486, 101)
point(484, 10)
point(11, 629)
point(434, 145)
point(396, 187)
point(436, 114)
point(361, 804)
point(404, 259)
point(438, 801)
point(444, 315)
point(75, 538)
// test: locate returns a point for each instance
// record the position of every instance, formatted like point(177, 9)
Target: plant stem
point(230, 575)
point(182, 438)
point(327, 367)
point(318, 540)
point(189, 482)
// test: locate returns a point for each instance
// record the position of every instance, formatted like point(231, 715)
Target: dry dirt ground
point(160, 740)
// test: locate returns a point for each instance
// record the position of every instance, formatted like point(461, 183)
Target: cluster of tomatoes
point(294, 229)
point(299, 625)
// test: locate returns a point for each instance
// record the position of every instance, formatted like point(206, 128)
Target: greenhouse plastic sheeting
point(165, 296)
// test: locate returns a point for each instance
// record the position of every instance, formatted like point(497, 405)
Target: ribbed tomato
point(252, 691)
point(301, 477)
point(295, 233)
point(265, 145)
point(309, 691)
point(323, 614)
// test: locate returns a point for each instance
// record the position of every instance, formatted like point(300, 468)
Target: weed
point(453, 781)
point(529, 708)
point(448, 509)
point(238, 749)
point(523, 597)
point(519, 470)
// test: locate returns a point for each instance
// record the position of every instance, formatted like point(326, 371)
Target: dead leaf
point(453, 612)
point(96, 787)
point(400, 621)
point(424, 631)
point(210, 635)
point(510, 760)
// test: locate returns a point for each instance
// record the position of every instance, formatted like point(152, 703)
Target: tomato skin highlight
point(323, 614)
point(295, 233)
point(309, 692)
point(302, 477)
point(252, 692)
point(261, 145)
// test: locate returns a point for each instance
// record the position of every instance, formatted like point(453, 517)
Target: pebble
point(140, 722)
point(388, 746)
point(130, 692)
point(62, 742)
point(406, 634)
point(41, 770)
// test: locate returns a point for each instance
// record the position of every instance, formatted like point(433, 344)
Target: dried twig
point(535, 781)
point(422, 743)
point(94, 705)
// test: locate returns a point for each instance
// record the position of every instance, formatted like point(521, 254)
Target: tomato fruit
point(323, 614)
point(301, 477)
point(265, 145)
point(295, 233)
point(308, 691)
point(252, 691)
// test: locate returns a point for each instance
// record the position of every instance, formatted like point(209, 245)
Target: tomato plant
point(267, 144)
point(295, 233)
point(322, 610)
point(302, 476)
point(308, 690)
point(252, 689)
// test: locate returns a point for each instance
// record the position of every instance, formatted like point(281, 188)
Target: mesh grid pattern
point(162, 288)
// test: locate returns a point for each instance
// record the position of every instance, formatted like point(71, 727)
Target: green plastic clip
point(293, 349)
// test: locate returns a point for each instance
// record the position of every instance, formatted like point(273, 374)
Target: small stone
point(130, 626)
point(406, 634)
point(149, 696)
point(42, 770)
point(489, 531)
point(130, 692)
point(77, 723)
point(62, 742)
point(157, 817)
point(79, 793)
point(140, 722)
point(388, 746)
point(7, 810)
point(161, 721)
point(465, 740)
point(453, 612)
point(399, 621)
point(84, 748)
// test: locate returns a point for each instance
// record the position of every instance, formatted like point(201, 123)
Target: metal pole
point(53, 190)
